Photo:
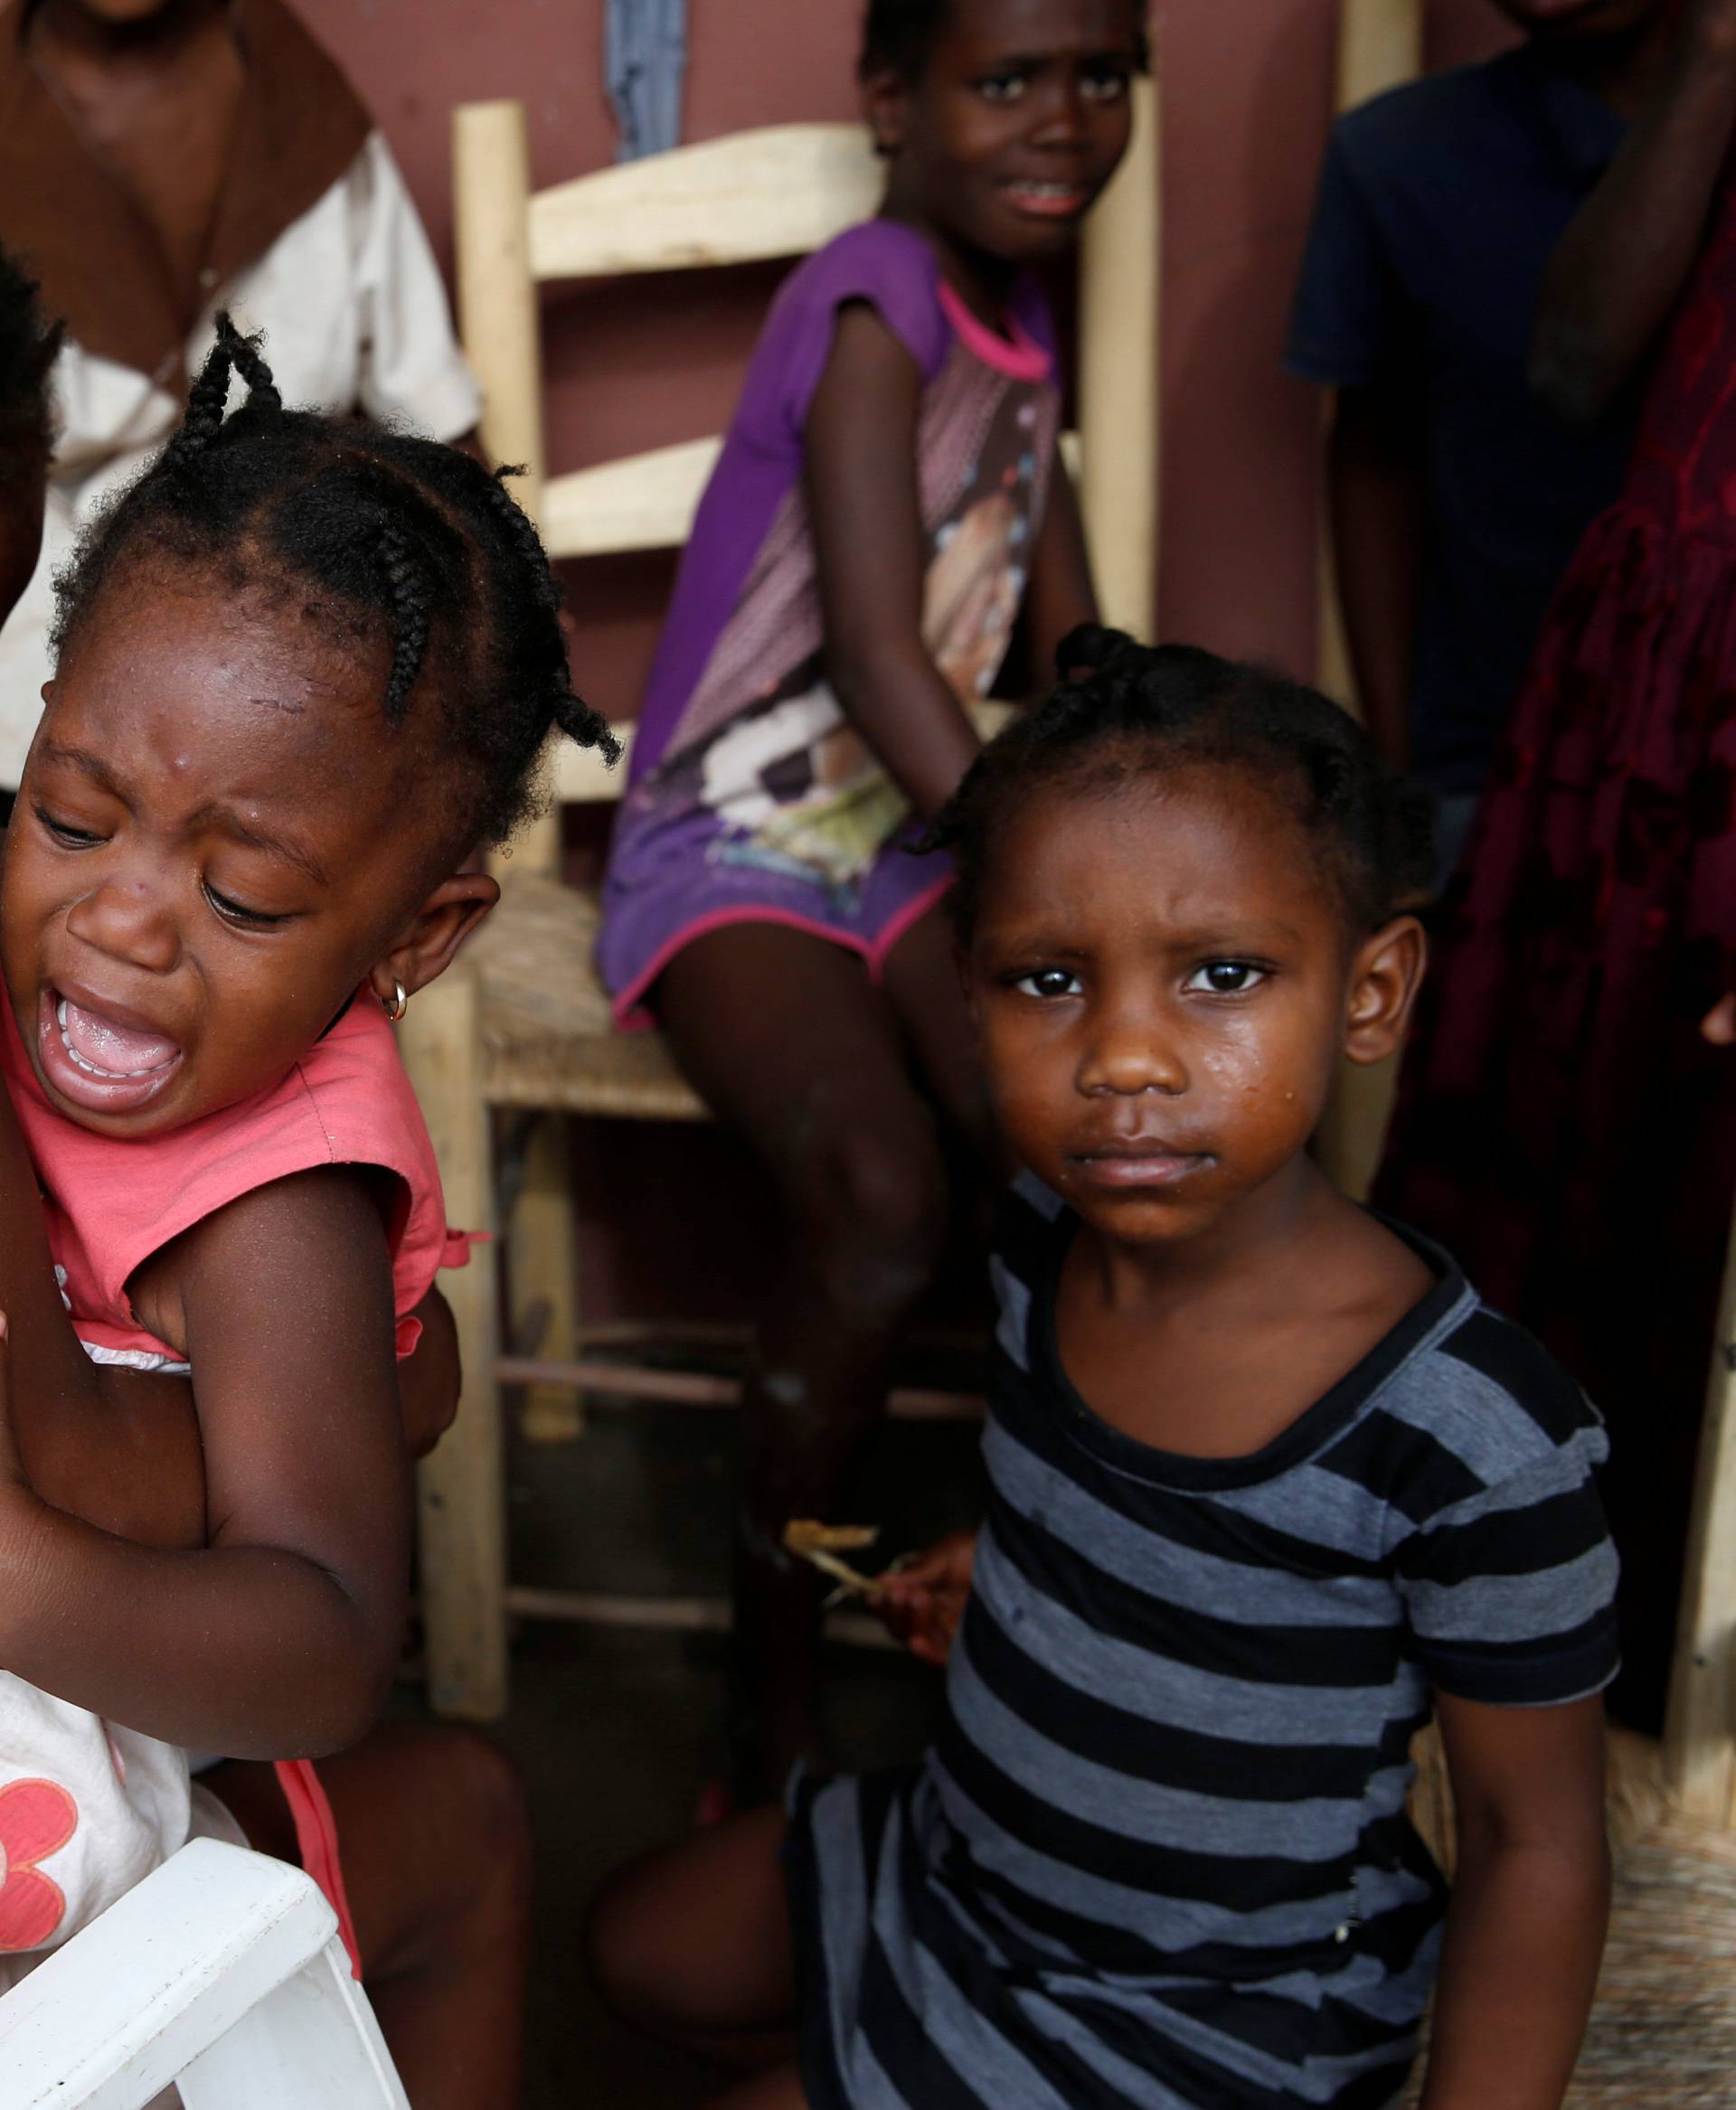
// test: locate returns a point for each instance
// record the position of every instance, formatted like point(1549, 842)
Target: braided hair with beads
point(1124, 713)
point(383, 537)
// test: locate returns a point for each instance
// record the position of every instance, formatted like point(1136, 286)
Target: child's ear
point(1384, 978)
point(439, 926)
point(885, 105)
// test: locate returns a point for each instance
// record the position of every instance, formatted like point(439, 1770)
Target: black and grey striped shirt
point(1160, 1855)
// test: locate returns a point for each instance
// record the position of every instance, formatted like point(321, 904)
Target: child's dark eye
point(1226, 978)
point(63, 831)
point(1103, 83)
point(236, 912)
point(1002, 86)
point(1049, 981)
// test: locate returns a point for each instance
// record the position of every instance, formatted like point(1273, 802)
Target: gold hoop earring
point(396, 1005)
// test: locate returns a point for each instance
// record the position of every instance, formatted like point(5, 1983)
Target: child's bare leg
point(436, 1849)
point(792, 1046)
point(919, 976)
point(692, 1943)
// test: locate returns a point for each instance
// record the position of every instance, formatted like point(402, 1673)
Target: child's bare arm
point(116, 1448)
point(1378, 504)
point(125, 1454)
point(867, 525)
point(129, 1462)
point(1530, 1901)
point(1617, 271)
point(278, 1641)
point(1058, 594)
point(430, 1380)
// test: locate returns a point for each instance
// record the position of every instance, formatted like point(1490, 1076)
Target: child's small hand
point(429, 1381)
point(922, 1601)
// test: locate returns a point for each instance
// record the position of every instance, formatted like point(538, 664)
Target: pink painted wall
point(1247, 98)
point(1247, 93)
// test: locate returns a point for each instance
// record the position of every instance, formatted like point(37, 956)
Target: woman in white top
point(160, 159)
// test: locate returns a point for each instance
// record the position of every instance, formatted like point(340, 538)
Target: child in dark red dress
point(1563, 1126)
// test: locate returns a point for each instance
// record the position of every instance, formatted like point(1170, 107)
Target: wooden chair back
point(780, 190)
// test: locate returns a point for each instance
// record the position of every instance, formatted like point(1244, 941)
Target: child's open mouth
point(104, 1060)
point(1048, 200)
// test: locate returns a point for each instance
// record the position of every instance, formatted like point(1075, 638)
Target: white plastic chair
point(222, 1974)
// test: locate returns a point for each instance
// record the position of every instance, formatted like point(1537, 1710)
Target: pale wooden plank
point(673, 1615)
point(498, 323)
point(1380, 45)
point(460, 1486)
point(609, 1379)
point(542, 1275)
point(582, 777)
point(647, 500)
point(638, 501)
point(1699, 1763)
point(496, 298)
point(777, 192)
point(1119, 266)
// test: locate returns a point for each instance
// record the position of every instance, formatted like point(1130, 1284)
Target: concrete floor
point(616, 1732)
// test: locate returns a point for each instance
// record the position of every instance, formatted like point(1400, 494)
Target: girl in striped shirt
point(1269, 1485)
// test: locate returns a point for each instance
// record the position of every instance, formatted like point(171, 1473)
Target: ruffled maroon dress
point(1563, 1128)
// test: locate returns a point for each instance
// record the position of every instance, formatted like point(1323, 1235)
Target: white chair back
point(223, 1973)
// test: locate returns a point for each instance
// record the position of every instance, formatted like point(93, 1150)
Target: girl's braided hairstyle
point(1125, 713)
point(381, 535)
point(28, 348)
point(897, 36)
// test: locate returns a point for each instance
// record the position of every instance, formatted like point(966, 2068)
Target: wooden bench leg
point(461, 1487)
point(1699, 1756)
point(541, 1259)
point(1351, 1136)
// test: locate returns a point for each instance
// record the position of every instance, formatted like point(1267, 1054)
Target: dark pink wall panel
point(1247, 91)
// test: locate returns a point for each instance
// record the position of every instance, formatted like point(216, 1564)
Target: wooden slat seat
point(547, 1038)
point(1663, 2029)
